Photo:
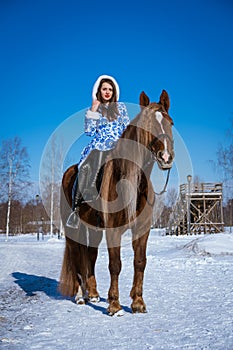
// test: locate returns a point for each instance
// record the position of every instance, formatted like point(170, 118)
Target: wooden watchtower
point(198, 210)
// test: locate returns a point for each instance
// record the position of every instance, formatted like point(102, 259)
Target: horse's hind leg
point(139, 247)
point(95, 238)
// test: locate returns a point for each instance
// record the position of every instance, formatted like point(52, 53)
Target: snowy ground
point(188, 290)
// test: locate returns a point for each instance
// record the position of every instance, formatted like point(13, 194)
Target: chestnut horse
point(125, 201)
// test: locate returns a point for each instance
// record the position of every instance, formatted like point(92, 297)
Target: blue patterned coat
point(105, 133)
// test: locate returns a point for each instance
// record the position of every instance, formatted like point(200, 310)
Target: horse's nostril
point(159, 155)
point(166, 156)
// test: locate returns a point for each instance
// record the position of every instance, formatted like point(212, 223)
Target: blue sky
point(52, 52)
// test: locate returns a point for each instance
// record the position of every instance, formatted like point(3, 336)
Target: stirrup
point(73, 220)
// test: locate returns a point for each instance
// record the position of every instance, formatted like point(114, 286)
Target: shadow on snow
point(31, 284)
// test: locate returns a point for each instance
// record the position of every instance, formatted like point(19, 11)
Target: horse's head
point(160, 140)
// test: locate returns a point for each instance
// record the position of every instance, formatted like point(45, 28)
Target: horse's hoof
point(139, 310)
point(94, 299)
point(80, 300)
point(115, 309)
point(119, 313)
point(138, 307)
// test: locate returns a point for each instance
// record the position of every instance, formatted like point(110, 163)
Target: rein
point(165, 186)
point(163, 190)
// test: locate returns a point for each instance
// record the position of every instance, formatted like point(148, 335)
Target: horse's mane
point(127, 159)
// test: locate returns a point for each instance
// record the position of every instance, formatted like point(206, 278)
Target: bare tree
point(50, 180)
point(171, 197)
point(14, 173)
point(225, 162)
point(157, 211)
point(163, 207)
point(225, 156)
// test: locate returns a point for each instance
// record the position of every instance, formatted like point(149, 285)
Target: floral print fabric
point(105, 133)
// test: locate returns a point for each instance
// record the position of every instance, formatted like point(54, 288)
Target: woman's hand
point(95, 105)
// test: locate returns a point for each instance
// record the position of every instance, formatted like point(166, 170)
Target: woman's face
point(106, 91)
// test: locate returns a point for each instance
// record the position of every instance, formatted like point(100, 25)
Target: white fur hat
point(96, 85)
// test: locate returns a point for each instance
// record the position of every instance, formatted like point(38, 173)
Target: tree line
point(17, 212)
point(25, 218)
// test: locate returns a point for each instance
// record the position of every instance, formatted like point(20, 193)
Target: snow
point(187, 288)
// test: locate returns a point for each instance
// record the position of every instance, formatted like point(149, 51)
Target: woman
point(105, 121)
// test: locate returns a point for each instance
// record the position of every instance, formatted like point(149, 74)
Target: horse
point(146, 140)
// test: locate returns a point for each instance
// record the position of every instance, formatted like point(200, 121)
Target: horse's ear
point(144, 99)
point(164, 100)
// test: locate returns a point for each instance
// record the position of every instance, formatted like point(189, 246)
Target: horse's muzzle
point(164, 160)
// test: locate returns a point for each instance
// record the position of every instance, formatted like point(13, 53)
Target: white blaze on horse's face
point(165, 153)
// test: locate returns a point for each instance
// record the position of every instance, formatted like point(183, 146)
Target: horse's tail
point(75, 260)
point(74, 268)
point(68, 282)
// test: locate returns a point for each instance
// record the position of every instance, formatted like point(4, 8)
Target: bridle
point(157, 138)
point(154, 157)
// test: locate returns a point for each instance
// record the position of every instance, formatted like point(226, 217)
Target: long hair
point(110, 110)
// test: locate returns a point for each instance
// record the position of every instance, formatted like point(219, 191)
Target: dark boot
point(77, 195)
point(80, 185)
point(96, 159)
point(84, 188)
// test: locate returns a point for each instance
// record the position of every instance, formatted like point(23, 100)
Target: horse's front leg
point(139, 247)
point(114, 242)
